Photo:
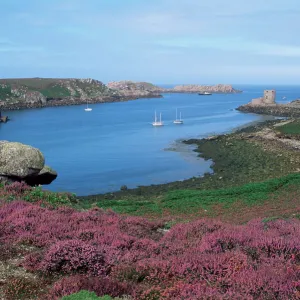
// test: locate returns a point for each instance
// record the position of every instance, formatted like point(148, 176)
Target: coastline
point(105, 99)
point(69, 102)
point(279, 110)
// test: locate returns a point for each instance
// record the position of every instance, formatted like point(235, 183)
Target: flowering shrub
point(73, 255)
point(101, 286)
point(116, 255)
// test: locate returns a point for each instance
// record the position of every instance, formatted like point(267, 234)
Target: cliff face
point(38, 92)
point(135, 89)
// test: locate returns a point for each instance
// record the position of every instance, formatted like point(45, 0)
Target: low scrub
point(110, 254)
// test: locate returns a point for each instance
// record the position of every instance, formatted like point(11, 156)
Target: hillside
point(35, 92)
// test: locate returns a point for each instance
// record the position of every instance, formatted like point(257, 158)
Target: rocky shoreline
point(279, 110)
point(69, 102)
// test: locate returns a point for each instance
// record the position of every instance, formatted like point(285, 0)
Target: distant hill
point(131, 88)
point(41, 90)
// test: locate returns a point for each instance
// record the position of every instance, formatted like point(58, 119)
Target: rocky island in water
point(43, 92)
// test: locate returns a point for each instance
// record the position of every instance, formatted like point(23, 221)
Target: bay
point(115, 144)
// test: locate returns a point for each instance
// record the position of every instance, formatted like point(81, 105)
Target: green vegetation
point(56, 91)
point(85, 295)
point(292, 128)
point(209, 202)
point(5, 91)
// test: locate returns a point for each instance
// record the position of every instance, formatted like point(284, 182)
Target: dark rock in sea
point(124, 188)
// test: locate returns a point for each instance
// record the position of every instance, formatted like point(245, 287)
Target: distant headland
point(37, 92)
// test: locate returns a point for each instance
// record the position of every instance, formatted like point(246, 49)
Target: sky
point(159, 41)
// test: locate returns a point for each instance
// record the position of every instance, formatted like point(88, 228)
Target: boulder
point(19, 160)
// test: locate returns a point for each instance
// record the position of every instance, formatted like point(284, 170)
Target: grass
point(56, 91)
point(292, 128)
point(186, 204)
point(85, 295)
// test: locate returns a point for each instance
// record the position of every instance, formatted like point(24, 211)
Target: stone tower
point(269, 96)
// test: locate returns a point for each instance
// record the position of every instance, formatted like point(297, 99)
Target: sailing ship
point(87, 107)
point(156, 122)
point(178, 121)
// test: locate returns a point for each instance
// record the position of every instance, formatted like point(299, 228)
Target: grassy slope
point(292, 128)
point(272, 198)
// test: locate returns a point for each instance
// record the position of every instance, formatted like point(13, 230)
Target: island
point(195, 88)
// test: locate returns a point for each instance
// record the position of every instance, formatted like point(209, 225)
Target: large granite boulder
point(19, 162)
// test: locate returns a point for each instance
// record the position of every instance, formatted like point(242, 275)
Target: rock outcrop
point(194, 88)
point(135, 89)
point(19, 162)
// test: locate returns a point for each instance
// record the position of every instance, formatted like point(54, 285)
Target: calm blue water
point(115, 144)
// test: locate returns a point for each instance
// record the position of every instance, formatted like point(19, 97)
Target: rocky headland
point(19, 162)
point(133, 89)
point(194, 88)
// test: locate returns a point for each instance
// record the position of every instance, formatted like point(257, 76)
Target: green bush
point(85, 295)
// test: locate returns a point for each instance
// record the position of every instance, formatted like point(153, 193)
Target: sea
point(115, 144)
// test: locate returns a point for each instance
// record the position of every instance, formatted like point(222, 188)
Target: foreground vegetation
point(49, 252)
point(238, 237)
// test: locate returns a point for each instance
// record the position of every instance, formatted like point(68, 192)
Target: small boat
point(205, 94)
point(178, 121)
point(283, 98)
point(88, 108)
point(156, 122)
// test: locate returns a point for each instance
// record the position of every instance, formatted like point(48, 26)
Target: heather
point(110, 254)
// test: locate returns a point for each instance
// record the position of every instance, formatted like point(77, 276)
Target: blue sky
point(161, 41)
